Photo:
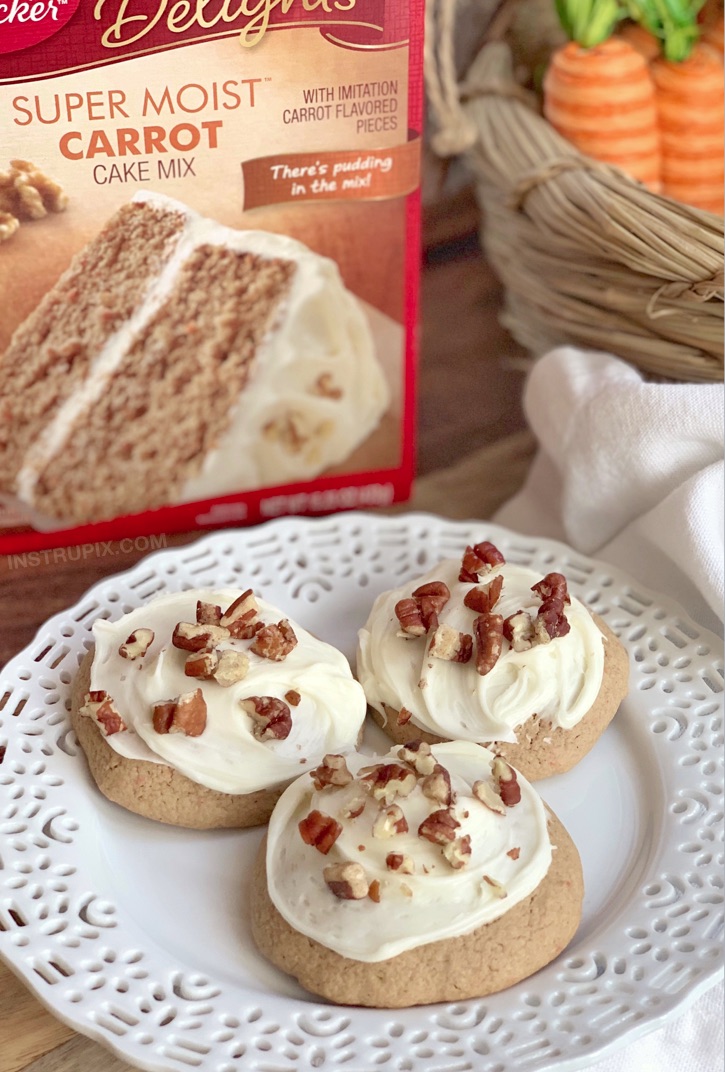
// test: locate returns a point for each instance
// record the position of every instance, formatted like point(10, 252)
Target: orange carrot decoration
point(690, 103)
point(638, 37)
point(601, 98)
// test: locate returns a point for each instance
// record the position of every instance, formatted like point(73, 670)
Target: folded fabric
point(632, 473)
point(628, 471)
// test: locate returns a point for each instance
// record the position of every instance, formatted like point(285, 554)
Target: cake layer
point(53, 351)
point(242, 361)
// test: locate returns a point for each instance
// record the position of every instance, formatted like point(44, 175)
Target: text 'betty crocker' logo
point(24, 23)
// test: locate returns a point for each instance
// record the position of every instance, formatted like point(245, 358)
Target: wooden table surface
point(469, 405)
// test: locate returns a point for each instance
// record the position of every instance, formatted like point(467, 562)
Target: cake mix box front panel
point(209, 247)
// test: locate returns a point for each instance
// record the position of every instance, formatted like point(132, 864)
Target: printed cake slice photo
point(177, 360)
point(485, 650)
point(198, 708)
point(430, 874)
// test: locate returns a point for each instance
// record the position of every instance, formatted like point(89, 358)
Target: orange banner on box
point(366, 175)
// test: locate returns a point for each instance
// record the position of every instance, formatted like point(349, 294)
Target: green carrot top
point(589, 22)
point(674, 22)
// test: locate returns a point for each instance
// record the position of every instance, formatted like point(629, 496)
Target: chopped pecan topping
point(419, 614)
point(496, 888)
point(241, 617)
point(439, 827)
point(232, 667)
point(186, 715)
point(506, 781)
point(514, 853)
point(347, 881)
point(374, 891)
point(293, 698)
point(271, 717)
point(389, 822)
point(419, 755)
point(551, 621)
point(319, 830)
point(437, 786)
point(483, 557)
point(404, 716)
point(552, 586)
point(410, 618)
point(488, 631)
point(208, 613)
point(518, 629)
point(332, 771)
point(201, 663)
point(489, 797)
point(355, 804)
point(484, 598)
point(195, 637)
point(458, 851)
point(275, 641)
point(447, 643)
point(137, 644)
point(386, 781)
point(100, 707)
point(398, 861)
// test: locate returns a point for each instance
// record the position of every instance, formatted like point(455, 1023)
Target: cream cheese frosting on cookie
point(241, 747)
point(557, 679)
point(423, 844)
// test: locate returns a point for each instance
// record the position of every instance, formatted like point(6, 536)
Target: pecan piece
point(551, 621)
point(552, 586)
point(398, 861)
point(489, 797)
point(386, 781)
point(355, 804)
point(439, 827)
point(241, 617)
point(431, 599)
point(194, 637)
point(347, 881)
point(447, 643)
point(100, 707)
point(518, 629)
point(271, 718)
point(319, 830)
point(488, 631)
point(201, 664)
point(404, 716)
point(495, 887)
point(186, 714)
point(374, 891)
point(419, 755)
point(389, 822)
point(506, 782)
point(437, 786)
point(514, 853)
point(208, 613)
point(293, 698)
point(275, 641)
point(137, 644)
point(484, 598)
point(458, 851)
point(232, 667)
point(483, 557)
point(410, 618)
point(332, 771)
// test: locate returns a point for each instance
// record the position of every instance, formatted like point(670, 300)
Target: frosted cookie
point(488, 651)
point(431, 874)
point(198, 708)
point(177, 359)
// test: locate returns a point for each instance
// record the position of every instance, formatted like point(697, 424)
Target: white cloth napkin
point(632, 473)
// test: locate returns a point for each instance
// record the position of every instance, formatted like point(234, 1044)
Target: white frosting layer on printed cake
point(557, 681)
point(315, 390)
point(426, 900)
point(227, 756)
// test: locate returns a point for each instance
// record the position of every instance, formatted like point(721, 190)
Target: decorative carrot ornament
point(690, 95)
point(598, 92)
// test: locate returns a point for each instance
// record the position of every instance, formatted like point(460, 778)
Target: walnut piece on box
point(26, 193)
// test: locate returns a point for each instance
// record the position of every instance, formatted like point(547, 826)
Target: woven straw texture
point(587, 256)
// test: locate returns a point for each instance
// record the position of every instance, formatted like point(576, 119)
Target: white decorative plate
point(136, 934)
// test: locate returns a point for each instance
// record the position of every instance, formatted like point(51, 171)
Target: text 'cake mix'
point(208, 262)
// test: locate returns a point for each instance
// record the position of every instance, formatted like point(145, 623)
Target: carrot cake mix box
point(209, 247)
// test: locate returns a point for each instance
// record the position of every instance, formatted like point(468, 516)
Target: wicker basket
point(586, 255)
